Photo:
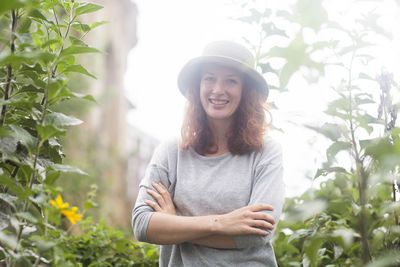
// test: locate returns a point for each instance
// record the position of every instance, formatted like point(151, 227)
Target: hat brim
point(188, 78)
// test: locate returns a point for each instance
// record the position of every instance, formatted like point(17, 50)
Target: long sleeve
point(161, 170)
point(268, 187)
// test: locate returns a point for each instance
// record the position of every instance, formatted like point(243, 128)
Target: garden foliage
point(352, 217)
point(39, 45)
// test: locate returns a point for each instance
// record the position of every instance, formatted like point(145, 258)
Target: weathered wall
point(106, 123)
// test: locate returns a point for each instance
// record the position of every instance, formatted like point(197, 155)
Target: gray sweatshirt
point(202, 185)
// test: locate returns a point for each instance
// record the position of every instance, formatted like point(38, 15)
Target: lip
point(218, 102)
point(218, 106)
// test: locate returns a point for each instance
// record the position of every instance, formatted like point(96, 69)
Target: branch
point(363, 177)
point(9, 68)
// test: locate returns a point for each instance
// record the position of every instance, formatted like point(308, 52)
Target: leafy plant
point(352, 218)
point(39, 45)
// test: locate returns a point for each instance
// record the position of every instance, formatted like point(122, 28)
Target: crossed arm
point(217, 231)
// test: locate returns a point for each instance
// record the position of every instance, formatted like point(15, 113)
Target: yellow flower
point(59, 203)
point(71, 215)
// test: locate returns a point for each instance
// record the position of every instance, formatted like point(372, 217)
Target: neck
point(220, 130)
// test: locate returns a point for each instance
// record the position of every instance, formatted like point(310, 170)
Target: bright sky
point(171, 32)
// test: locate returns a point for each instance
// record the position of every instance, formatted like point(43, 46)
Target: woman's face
point(220, 92)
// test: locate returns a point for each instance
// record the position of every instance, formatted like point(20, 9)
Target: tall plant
point(352, 218)
point(38, 53)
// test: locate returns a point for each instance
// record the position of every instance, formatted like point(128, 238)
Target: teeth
point(219, 102)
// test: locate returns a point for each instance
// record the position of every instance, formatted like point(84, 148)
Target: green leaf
point(28, 58)
point(365, 76)
point(266, 67)
point(52, 177)
point(42, 245)
point(13, 186)
point(35, 13)
point(7, 5)
point(326, 171)
point(67, 168)
point(87, 8)
point(8, 145)
point(86, 97)
point(11, 101)
point(78, 69)
point(389, 258)
point(9, 240)
point(329, 130)
point(306, 210)
point(313, 248)
point(27, 216)
point(81, 27)
point(271, 29)
point(75, 49)
point(295, 55)
point(347, 235)
point(9, 199)
point(310, 13)
point(301, 233)
point(59, 119)
point(335, 148)
point(76, 41)
point(338, 251)
point(24, 137)
point(4, 132)
point(97, 24)
point(48, 131)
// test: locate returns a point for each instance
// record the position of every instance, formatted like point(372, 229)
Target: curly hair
point(247, 130)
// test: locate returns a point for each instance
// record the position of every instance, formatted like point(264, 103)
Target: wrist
point(216, 225)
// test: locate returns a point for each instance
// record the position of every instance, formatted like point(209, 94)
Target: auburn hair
point(247, 130)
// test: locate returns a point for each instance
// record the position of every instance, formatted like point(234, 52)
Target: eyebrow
point(230, 75)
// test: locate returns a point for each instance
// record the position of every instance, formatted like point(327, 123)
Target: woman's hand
point(246, 220)
point(164, 202)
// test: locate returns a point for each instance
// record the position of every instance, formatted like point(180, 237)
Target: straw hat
point(225, 53)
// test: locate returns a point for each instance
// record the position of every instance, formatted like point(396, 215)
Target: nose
point(218, 86)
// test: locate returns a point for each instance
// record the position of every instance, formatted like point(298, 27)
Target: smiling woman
point(220, 92)
point(214, 197)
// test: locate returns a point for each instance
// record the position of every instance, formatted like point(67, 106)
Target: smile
point(218, 102)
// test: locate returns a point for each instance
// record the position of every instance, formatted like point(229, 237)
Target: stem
point(362, 179)
point(58, 28)
point(36, 155)
point(385, 96)
point(37, 261)
point(45, 102)
point(62, 47)
point(396, 217)
point(9, 68)
point(14, 172)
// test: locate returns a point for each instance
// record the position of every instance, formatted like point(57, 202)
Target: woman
point(214, 197)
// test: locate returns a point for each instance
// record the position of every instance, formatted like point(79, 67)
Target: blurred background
point(138, 103)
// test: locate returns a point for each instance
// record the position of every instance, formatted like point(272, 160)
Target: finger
point(157, 197)
point(258, 231)
point(261, 206)
point(167, 194)
point(262, 224)
point(154, 205)
point(264, 216)
point(161, 189)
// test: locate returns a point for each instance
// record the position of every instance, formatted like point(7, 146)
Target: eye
point(233, 81)
point(209, 78)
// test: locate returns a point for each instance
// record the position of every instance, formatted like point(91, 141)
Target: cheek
point(203, 95)
point(238, 94)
